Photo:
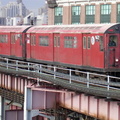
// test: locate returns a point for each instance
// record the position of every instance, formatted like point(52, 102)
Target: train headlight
point(116, 60)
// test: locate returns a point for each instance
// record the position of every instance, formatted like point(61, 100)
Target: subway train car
point(93, 47)
point(12, 41)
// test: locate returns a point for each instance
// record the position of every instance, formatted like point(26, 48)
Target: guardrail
point(87, 79)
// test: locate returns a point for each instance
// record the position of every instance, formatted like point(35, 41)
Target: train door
point(23, 45)
point(56, 47)
point(33, 46)
point(12, 43)
point(113, 50)
point(17, 45)
point(86, 50)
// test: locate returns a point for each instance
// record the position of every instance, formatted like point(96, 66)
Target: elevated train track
point(98, 85)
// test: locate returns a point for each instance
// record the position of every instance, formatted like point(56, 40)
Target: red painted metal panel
point(88, 105)
point(13, 83)
point(62, 98)
point(39, 52)
point(93, 104)
point(37, 102)
point(17, 44)
point(14, 115)
point(14, 44)
point(71, 55)
point(92, 56)
point(103, 109)
point(22, 86)
point(5, 46)
point(43, 99)
point(76, 102)
point(84, 104)
point(51, 100)
point(57, 45)
point(68, 100)
point(114, 111)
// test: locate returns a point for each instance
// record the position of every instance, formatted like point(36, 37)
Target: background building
point(14, 9)
point(16, 13)
point(43, 15)
point(83, 11)
point(13, 13)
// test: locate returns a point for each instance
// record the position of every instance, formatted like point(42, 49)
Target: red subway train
point(94, 47)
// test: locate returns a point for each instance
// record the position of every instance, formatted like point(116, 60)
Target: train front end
point(112, 56)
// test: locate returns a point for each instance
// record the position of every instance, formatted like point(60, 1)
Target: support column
point(2, 108)
point(28, 104)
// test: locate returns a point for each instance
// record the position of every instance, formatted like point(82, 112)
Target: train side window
point(33, 40)
point(84, 42)
point(101, 43)
point(58, 41)
point(20, 39)
point(44, 41)
point(55, 41)
point(112, 40)
point(3, 38)
point(88, 43)
point(70, 42)
point(12, 39)
point(67, 42)
point(75, 42)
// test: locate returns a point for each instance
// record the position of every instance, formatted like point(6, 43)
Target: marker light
point(116, 60)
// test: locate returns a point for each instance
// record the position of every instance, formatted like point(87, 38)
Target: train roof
point(8, 29)
point(81, 28)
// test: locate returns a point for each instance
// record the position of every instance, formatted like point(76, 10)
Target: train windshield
point(113, 40)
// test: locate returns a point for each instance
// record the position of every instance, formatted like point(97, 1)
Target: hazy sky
point(30, 4)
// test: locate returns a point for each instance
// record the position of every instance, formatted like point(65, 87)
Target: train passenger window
point(58, 41)
point(12, 39)
point(101, 43)
point(55, 41)
point(88, 43)
point(112, 40)
point(67, 42)
point(20, 39)
point(6, 37)
point(70, 42)
point(44, 41)
point(84, 42)
point(33, 40)
point(75, 42)
point(3, 38)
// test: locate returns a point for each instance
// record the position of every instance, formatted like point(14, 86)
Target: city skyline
point(31, 5)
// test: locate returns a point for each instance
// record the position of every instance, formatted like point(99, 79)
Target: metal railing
point(87, 79)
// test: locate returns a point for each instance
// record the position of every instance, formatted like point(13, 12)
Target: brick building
point(83, 11)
